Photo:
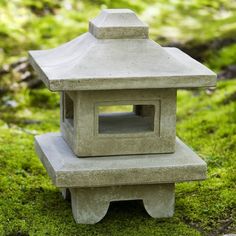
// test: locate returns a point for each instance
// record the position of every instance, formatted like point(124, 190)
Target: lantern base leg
point(90, 205)
point(87, 207)
point(65, 192)
point(160, 200)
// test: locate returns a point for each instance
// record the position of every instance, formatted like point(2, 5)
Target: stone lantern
point(102, 157)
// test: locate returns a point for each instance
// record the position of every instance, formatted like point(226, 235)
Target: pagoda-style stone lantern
point(116, 64)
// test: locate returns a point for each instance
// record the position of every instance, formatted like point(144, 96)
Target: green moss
point(209, 126)
point(222, 58)
point(43, 98)
point(31, 205)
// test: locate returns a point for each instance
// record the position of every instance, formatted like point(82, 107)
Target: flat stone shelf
point(68, 170)
point(129, 122)
point(94, 182)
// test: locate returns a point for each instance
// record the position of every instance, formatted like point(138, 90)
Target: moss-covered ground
point(31, 205)
point(206, 120)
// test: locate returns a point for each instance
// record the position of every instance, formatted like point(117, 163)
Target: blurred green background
point(206, 119)
point(204, 29)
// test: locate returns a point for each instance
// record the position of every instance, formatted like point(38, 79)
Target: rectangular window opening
point(68, 109)
point(120, 119)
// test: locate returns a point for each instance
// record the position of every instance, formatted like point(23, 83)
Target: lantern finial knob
point(118, 24)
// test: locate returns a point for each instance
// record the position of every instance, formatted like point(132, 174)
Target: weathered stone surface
point(90, 62)
point(116, 64)
point(86, 139)
point(95, 182)
point(68, 170)
point(90, 205)
point(118, 24)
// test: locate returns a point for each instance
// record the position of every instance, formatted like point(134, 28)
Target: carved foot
point(159, 200)
point(88, 205)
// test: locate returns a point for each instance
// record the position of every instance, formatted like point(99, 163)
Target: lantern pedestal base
point(90, 205)
point(92, 183)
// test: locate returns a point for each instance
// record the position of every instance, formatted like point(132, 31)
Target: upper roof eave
point(116, 53)
point(93, 66)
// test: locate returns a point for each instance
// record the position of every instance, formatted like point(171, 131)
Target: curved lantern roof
point(116, 53)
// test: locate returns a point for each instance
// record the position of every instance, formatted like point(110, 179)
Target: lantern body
point(148, 127)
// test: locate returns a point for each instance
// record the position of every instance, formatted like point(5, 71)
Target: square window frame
point(156, 120)
point(85, 141)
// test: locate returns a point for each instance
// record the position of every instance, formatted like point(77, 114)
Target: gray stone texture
point(116, 24)
point(68, 170)
point(85, 139)
point(97, 61)
point(115, 63)
point(90, 205)
point(95, 182)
